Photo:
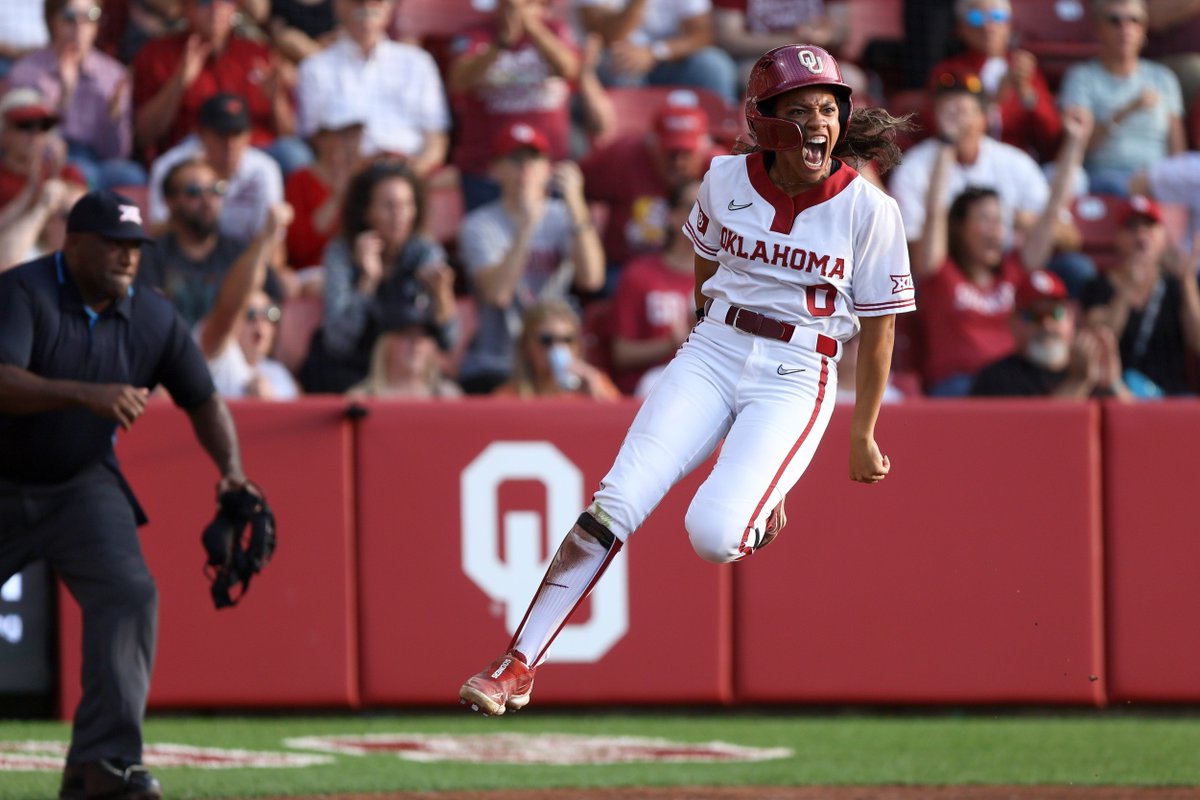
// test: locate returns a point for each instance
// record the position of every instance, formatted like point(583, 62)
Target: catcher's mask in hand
point(239, 542)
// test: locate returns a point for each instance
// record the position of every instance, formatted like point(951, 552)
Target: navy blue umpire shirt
point(45, 328)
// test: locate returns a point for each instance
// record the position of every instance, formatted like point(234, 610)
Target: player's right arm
point(867, 464)
point(705, 268)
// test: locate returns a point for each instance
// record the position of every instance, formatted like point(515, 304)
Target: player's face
point(393, 211)
point(103, 268)
point(815, 110)
point(983, 232)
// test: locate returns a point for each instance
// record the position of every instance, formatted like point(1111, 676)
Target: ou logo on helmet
point(530, 539)
point(810, 61)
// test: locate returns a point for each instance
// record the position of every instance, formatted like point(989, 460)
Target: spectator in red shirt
point(518, 68)
point(1021, 109)
point(36, 184)
point(654, 304)
point(174, 74)
point(317, 190)
point(634, 175)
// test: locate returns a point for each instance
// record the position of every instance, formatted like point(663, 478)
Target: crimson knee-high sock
point(580, 561)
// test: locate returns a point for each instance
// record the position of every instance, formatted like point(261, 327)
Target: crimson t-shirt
point(966, 326)
point(648, 298)
point(519, 86)
point(305, 192)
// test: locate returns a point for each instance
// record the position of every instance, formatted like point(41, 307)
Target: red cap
point(517, 136)
point(681, 127)
point(1139, 206)
point(24, 104)
point(1037, 286)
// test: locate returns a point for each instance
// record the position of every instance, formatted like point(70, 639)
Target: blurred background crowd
point(432, 198)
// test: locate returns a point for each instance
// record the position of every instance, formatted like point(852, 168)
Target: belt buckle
point(736, 323)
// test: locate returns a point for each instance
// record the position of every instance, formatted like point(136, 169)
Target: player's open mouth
point(814, 151)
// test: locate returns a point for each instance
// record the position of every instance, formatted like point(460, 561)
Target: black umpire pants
point(85, 530)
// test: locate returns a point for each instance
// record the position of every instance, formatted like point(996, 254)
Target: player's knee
point(715, 536)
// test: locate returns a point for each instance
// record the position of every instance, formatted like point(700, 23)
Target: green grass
point(1090, 748)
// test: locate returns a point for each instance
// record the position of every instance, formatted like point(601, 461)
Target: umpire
point(81, 347)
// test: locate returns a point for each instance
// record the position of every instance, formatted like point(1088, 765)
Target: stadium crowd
point(426, 198)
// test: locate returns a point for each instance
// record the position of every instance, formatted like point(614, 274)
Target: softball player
point(795, 254)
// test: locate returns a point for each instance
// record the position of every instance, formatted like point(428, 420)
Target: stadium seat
point(866, 20)
point(1058, 32)
point(636, 107)
point(300, 318)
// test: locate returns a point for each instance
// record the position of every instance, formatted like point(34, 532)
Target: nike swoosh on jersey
point(783, 371)
point(734, 207)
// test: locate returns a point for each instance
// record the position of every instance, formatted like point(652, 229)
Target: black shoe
point(105, 780)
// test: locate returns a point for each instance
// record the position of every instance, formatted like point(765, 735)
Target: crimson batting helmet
point(781, 70)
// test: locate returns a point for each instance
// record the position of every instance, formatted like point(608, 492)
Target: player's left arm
point(867, 464)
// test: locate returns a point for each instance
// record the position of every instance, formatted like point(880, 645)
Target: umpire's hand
point(116, 401)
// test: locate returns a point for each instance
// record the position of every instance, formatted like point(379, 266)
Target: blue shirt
point(45, 328)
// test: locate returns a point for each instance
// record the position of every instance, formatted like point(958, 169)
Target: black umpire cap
point(109, 215)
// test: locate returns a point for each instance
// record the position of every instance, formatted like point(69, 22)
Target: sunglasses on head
point(550, 339)
point(977, 17)
point(34, 125)
point(270, 314)
point(195, 190)
point(1117, 20)
point(73, 15)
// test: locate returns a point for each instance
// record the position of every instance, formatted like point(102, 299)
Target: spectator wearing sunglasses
point(191, 257)
point(242, 367)
point(1052, 357)
point(36, 184)
point(549, 358)
point(1137, 104)
point(253, 181)
point(1021, 108)
point(90, 92)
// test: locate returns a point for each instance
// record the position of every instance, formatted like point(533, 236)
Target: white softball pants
point(769, 400)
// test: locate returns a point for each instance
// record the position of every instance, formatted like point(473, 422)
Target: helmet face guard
point(781, 70)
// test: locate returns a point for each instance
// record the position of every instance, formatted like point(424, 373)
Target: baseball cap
point(681, 127)
point(340, 112)
point(1038, 286)
point(517, 136)
point(224, 113)
point(1140, 206)
point(25, 104)
point(958, 82)
point(109, 215)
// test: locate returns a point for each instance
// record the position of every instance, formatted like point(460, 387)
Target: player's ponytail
point(871, 137)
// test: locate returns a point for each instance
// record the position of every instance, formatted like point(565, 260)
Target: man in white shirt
point(397, 84)
point(253, 181)
point(660, 43)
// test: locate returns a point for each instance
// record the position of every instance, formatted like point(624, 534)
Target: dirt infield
point(808, 793)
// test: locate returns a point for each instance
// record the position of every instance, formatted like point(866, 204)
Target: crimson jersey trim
point(788, 207)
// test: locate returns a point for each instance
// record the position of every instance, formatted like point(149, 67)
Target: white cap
point(340, 112)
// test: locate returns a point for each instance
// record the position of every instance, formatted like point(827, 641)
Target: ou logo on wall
point(526, 536)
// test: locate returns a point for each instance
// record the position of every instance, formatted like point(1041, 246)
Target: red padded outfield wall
point(293, 642)
point(460, 509)
point(1153, 563)
point(412, 538)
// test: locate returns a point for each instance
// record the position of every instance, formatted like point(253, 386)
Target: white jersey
point(820, 260)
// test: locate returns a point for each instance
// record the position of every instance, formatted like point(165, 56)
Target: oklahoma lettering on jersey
point(820, 259)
